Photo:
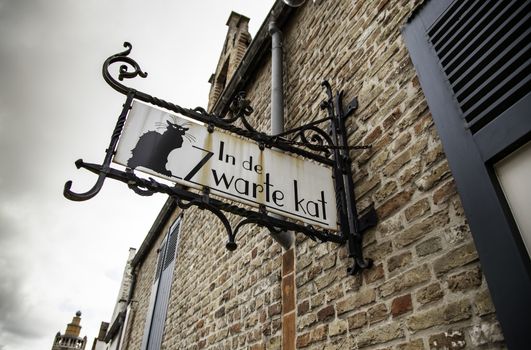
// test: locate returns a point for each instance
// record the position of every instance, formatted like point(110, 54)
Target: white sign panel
point(171, 147)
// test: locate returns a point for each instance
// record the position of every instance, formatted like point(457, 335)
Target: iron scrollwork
point(326, 147)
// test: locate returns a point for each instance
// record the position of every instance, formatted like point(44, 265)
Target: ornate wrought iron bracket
point(310, 141)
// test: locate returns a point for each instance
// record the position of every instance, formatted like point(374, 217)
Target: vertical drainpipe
point(277, 106)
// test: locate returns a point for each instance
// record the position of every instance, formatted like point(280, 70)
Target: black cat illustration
point(153, 148)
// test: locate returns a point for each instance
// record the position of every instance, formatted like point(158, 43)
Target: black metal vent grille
point(172, 246)
point(484, 50)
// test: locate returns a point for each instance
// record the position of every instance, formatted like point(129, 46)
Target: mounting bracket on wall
point(329, 148)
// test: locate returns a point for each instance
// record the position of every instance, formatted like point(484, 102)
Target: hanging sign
point(184, 151)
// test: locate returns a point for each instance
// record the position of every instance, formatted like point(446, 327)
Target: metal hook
point(67, 192)
point(78, 197)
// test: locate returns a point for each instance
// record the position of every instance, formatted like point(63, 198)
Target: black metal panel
point(484, 49)
point(161, 308)
point(510, 128)
point(172, 246)
point(503, 259)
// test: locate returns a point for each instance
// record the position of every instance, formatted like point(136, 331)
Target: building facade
point(450, 269)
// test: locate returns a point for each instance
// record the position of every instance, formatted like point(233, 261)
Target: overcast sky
point(59, 256)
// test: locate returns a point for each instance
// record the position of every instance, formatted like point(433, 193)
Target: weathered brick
point(460, 256)
point(357, 320)
point(337, 327)
point(418, 230)
point(303, 340)
point(274, 309)
point(429, 293)
point(446, 314)
point(397, 163)
point(410, 172)
point(444, 192)
point(319, 333)
point(303, 307)
point(378, 252)
point(393, 204)
point(398, 261)
point(385, 191)
point(406, 280)
point(450, 340)
point(417, 209)
point(401, 142)
point(326, 313)
point(416, 344)
point(373, 274)
point(429, 246)
point(401, 305)
point(334, 293)
point(483, 303)
point(380, 335)
point(324, 281)
point(377, 313)
point(465, 280)
point(306, 321)
point(354, 301)
point(433, 177)
point(486, 333)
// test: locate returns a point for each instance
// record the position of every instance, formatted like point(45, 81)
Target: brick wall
point(426, 289)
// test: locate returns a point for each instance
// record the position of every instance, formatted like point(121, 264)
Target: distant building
point(110, 334)
point(71, 340)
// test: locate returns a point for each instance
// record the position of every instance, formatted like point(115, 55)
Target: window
point(473, 62)
point(160, 291)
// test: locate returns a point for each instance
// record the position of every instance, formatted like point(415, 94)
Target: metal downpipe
point(284, 238)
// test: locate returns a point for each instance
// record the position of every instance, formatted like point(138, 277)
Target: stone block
point(303, 307)
point(401, 305)
point(377, 313)
point(417, 209)
point(446, 314)
point(457, 257)
point(373, 274)
point(486, 333)
point(465, 280)
point(398, 261)
point(444, 192)
point(380, 251)
point(337, 327)
point(418, 230)
point(429, 293)
point(357, 320)
point(306, 321)
point(385, 191)
point(303, 340)
point(319, 333)
point(326, 313)
point(380, 335)
point(355, 300)
point(433, 177)
point(450, 340)
point(392, 167)
point(483, 303)
point(416, 344)
point(408, 279)
point(429, 246)
point(393, 204)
